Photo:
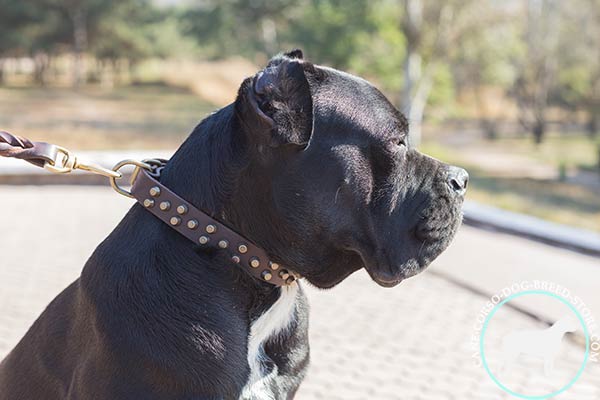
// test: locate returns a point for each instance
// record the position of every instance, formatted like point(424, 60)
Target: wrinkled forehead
point(349, 101)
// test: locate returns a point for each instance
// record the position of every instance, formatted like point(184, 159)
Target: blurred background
point(508, 89)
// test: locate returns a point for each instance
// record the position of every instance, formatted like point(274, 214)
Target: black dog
point(309, 163)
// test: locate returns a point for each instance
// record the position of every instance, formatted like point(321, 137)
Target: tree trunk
point(269, 35)
point(412, 25)
point(489, 127)
point(593, 124)
point(107, 74)
point(539, 129)
point(412, 74)
point(417, 108)
point(78, 18)
point(1, 72)
point(542, 20)
point(41, 62)
point(487, 122)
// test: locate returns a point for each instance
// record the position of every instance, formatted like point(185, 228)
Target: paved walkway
point(409, 343)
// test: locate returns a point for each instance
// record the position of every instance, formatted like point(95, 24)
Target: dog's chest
point(271, 323)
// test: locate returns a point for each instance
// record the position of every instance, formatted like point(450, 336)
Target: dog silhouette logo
point(541, 343)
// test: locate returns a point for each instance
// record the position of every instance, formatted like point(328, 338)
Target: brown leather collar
point(203, 230)
point(179, 214)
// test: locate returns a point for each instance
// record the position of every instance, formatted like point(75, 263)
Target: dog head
point(332, 182)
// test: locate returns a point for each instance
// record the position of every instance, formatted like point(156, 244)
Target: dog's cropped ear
point(276, 104)
point(295, 54)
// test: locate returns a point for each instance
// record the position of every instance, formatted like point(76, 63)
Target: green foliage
point(380, 50)
point(330, 30)
point(574, 83)
point(237, 27)
point(578, 77)
point(113, 29)
point(153, 33)
point(444, 83)
point(463, 44)
point(26, 27)
point(487, 57)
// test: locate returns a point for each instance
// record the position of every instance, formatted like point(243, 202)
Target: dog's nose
point(458, 179)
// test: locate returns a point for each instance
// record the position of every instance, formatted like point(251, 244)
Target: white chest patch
point(272, 322)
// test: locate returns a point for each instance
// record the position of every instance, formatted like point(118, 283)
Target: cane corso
point(310, 163)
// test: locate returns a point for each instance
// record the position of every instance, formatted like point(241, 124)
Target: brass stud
point(223, 243)
point(236, 259)
point(192, 224)
point(182, 209)
point(254, 262)
point(290, 280)
point(242, 248)
point(175, 221)
point(211, 228)
point(165, 205)
point(283, 274)
point(155, 191)
point(274, 266)
point(148, 203)
point(203, 239)
point(266, 275)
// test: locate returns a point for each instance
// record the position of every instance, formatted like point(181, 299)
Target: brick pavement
point(367, 342)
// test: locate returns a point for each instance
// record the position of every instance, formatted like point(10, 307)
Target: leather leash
point(179, 214)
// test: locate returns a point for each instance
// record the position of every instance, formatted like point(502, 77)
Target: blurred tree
point(132, 33)
point(82, 14)
point(234, 27)
point(331, 30)
point(578, 86)
point(378, 47)
point(15, 14)
point(84, 20)
point(483, 64)
point(539, 66)
point(31, 29)
point(430, 29)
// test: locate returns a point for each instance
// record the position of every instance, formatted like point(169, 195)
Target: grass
point(136, 117)
point(572, 150)
point(554, 201)
point(547, 198)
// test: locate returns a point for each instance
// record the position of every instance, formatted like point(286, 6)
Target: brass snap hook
point(96, 169)
point(65, 162)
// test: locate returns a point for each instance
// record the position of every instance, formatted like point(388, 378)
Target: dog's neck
point(206, 167)
point(219, 170)
point(210, 170)
point(143, 252)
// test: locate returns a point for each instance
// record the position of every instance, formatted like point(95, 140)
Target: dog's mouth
point(389, 275)
point(439, 221)
point(435, 229)
point(384, 280)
